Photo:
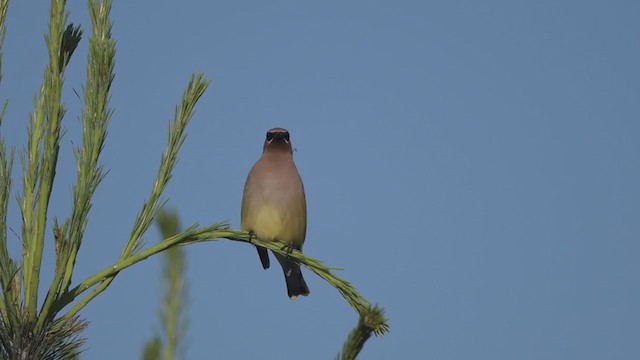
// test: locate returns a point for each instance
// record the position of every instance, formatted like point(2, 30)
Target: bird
point(274, 206)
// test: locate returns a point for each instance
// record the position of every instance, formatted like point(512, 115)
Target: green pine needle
point(370, 320)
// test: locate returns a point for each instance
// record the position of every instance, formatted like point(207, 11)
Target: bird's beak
point(278, 137)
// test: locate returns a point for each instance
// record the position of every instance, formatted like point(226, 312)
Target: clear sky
point(473, 166)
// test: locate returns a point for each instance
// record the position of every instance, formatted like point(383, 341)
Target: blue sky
point(473, 166)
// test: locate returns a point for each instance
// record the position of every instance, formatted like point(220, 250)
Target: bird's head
point(277, 140)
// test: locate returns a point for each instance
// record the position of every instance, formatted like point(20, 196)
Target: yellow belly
point(268, 223)
point(271, 222)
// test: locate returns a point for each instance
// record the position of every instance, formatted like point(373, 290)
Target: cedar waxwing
point(274, 206)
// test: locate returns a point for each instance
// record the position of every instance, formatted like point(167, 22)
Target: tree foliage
point(52, 331)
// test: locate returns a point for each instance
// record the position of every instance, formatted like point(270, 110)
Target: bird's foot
point(251, 235)
point(288, 247)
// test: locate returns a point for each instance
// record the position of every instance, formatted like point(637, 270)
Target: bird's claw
point(288, 248)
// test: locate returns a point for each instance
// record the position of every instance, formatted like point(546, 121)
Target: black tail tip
point(296, 286)
point(293, 297)
point(264, 257)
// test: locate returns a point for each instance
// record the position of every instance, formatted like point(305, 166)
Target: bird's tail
point(296, 285)
point(264, 257)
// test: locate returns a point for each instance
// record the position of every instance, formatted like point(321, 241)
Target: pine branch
point(152, 349)
point(9, 301)
point(353, 297)
point(4, 7)
point(169, 346)
point(66, 247)
point(8, 267)
point(56, 341)
point(190, 235)
point(371, 319)
point(131, 252)
point(183, 114)
point(95, 119)
point(42, 154)
point(172, 315)
point(216, 232)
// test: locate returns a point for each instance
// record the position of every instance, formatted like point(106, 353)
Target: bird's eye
point(286, 136)
point(270, 136)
